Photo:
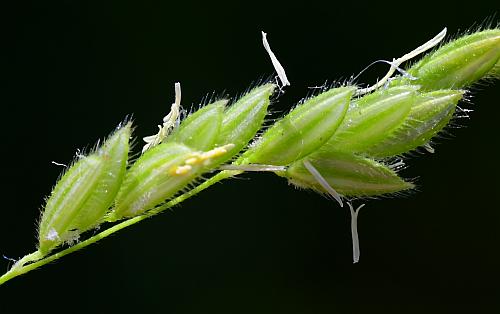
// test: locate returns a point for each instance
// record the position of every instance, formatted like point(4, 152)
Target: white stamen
point(323, 182)
point(403, 72)
point(253, 167)
point(354, 232)
point(428, 45)
point(397, 62)
point(276, 64)
point(170, 121)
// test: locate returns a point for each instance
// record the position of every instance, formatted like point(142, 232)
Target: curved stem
point(18, 268)
point(36, 259)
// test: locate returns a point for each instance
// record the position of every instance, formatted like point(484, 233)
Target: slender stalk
point(18, 268)
point(34, 260)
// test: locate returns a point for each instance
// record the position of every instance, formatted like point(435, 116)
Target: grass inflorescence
point(341, 142)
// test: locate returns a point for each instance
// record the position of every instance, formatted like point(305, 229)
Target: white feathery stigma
point(170, 121)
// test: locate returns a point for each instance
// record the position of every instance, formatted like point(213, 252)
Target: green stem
point(18, 268)
point(36, 259)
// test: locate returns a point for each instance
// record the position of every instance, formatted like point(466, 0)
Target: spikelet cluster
point(338, 142)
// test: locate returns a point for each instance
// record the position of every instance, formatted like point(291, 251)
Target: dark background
point(72, 70)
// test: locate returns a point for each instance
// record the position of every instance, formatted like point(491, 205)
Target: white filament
point(354, 232)
point(276, 64)
point(315, 173)
point(397, 62)
point(59, 164)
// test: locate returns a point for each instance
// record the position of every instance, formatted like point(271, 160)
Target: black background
point(72, 70)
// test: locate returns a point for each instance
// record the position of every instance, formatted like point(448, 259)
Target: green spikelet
point(200, 129)
point(429, 114)
point(85, 192)
point(458, 64)
point(348, 174)
point(303, 130)
point(372, 117)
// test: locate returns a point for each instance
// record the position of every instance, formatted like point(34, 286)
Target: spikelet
point(84, 193)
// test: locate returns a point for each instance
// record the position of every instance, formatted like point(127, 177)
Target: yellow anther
point(197, 158)
point(180, 170)
point(192, 161)
point(216, 152)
